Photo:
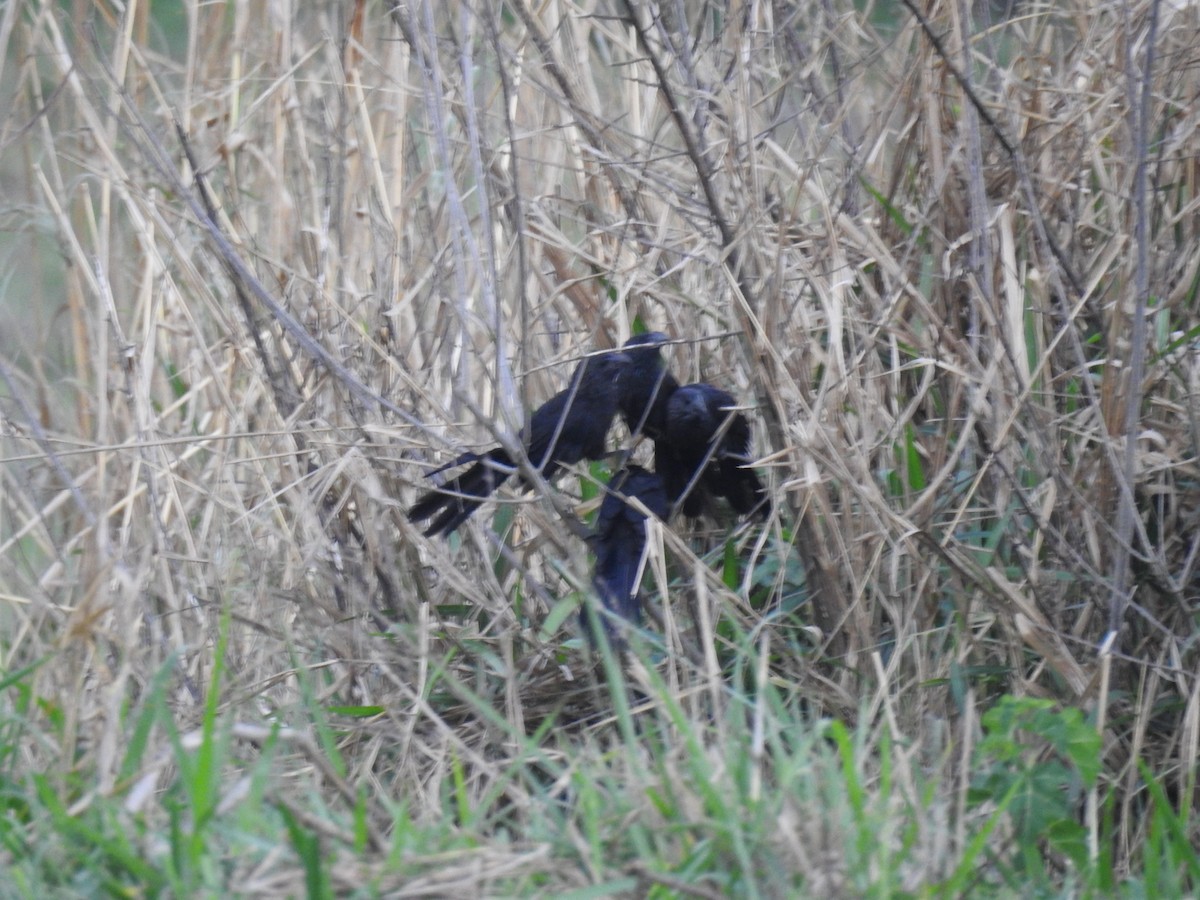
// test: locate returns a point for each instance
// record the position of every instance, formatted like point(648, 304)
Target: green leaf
point(893, 212)
point(915, 465)
point(357, 712)
point(729, 569)
point(559, 613)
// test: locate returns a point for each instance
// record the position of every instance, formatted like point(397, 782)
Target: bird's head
point(645, 351)
point(688, 404)
point(650, 342)
point(609, 365)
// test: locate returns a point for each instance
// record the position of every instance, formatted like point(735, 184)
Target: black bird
point(646, 386)
point(707, 446)
point(620, 544)
point(570, 426)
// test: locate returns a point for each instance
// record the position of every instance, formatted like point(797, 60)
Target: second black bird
point(707, 451)
point(620, 543)
point(646, 386)
point(570, 426)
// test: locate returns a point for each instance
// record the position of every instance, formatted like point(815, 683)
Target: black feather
point(570, 426)
point(708, 452)
point(620, 542)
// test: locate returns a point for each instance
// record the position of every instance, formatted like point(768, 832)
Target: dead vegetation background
point(948, 256)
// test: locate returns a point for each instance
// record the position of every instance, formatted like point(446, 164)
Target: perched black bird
point(646, 386)
point(620, 543)
point(570, 426)
point(707, 444)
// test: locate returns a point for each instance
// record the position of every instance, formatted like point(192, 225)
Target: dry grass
point(968, 334)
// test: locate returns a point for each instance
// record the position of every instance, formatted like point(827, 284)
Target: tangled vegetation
point(269, 264)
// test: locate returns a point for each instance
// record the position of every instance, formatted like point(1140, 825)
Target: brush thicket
point(955, 285)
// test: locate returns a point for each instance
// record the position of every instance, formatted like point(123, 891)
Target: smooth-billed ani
point(707, 444)
point(570, 426)
point(646, 386)
point(620, 544)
